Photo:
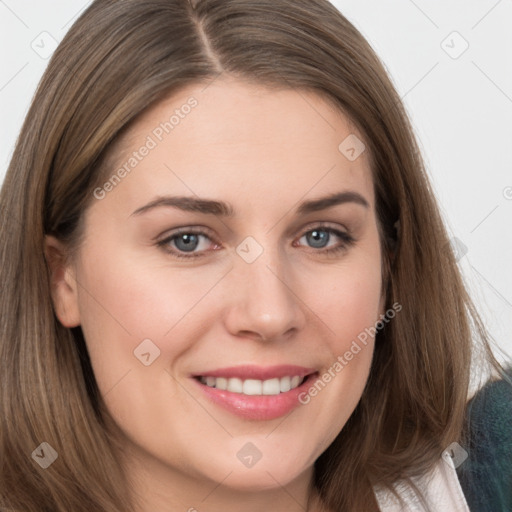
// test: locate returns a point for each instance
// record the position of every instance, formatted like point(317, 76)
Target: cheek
point(349, 305)
point(349, 296)
point(125, 299)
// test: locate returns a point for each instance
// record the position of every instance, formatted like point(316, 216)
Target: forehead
point(255, 144)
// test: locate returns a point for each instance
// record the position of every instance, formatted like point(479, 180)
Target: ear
point(63, 283)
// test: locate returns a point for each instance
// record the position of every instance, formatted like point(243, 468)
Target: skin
point(263, 151)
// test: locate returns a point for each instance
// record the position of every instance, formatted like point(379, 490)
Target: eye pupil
point(190, 242)
point(318, 237)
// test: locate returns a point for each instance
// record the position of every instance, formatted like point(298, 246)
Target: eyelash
point(347, 241)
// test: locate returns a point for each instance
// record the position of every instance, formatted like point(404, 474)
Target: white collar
point(440, 487)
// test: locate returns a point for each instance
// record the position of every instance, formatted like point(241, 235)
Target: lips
point(252, 392)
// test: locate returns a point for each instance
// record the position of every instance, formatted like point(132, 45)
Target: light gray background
point(460, 105)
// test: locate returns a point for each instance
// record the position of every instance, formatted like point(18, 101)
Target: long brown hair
point(117, 60)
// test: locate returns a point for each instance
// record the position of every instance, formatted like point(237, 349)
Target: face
point(213, 278)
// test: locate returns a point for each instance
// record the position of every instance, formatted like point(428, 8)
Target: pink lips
point(257, 407)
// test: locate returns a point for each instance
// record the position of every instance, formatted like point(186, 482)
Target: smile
point(256, 393)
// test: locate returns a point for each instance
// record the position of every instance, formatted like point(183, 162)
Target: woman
point(227, 285)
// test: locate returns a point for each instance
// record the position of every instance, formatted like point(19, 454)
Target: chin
point(260, 479)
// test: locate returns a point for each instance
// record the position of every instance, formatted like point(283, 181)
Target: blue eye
point(320, 236)
point(184, 243)
point(189, 242)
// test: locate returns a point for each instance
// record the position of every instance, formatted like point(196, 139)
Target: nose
point(264, 302)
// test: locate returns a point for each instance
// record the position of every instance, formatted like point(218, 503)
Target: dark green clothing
point(486, 475)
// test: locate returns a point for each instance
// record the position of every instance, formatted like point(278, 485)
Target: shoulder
point(486, 475)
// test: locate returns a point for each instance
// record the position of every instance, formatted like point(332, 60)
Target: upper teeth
point(253, 386)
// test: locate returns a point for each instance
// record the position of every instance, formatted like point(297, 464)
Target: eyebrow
point(223, 209)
